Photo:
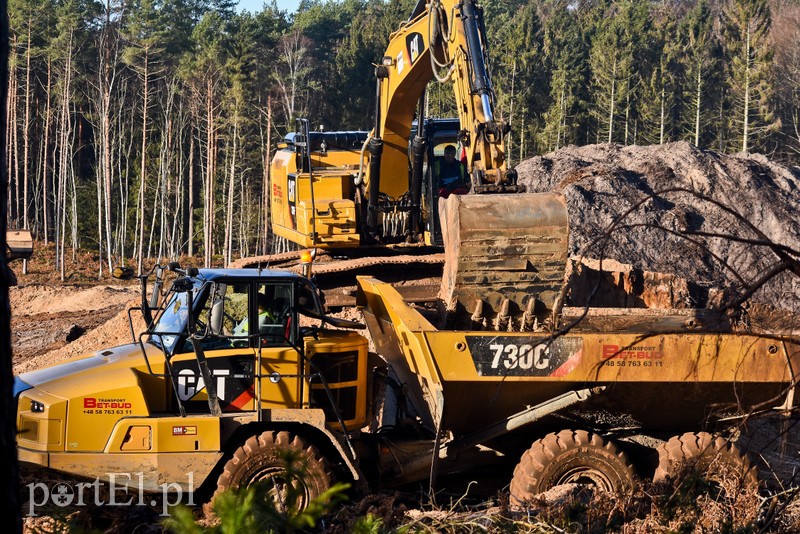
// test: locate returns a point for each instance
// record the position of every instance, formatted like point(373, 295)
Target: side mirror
point(183, 284)
point(217, 315)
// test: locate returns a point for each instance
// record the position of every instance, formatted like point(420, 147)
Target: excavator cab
point(439, 133)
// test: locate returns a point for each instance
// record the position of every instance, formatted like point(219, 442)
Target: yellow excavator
point(377, 191)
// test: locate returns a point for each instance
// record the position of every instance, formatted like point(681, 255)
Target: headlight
point(37, 407)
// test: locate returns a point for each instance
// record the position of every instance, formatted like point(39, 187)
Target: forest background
point(144, 129)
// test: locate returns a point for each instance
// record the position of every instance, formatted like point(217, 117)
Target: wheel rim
point(278, 482)
point(586, 476)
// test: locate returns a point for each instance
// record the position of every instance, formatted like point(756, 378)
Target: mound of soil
point(713, 220)
point(52, 323)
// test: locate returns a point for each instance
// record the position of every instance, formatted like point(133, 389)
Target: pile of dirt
point(713, 220)
point(52, 323)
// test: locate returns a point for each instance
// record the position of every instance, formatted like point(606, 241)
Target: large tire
point(714, 457)
point(571, 456)
point(263, 458)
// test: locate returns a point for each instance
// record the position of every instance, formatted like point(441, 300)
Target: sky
point(256, 5)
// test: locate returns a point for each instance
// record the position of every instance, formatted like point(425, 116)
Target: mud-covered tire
point(263, 458)
point(571, 456)
point(713, 457)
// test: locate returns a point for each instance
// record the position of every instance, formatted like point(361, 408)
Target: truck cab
point(229, 354)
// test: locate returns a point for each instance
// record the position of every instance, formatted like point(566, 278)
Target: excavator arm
point(505, 254)
point(443, 40)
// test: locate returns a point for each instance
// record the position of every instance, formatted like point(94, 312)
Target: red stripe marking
point(568, 366)
point(241, 400)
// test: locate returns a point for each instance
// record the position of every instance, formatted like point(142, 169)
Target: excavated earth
point(657, 227)
point(706, 224)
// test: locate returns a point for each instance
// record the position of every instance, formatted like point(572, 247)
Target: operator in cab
point(451, 173)
point(266, 316)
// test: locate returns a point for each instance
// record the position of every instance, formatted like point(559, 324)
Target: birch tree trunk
point(698, 106)
point(26, 136)
point(613, 101)
point(208, 208)
point(190, 187)
point(746, 117)
point(45, 157)
point(265, 191)
point(143, 168)
point(65, 158)
point(231, 179)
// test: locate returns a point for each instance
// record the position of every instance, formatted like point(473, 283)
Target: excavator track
point(502, 267)
point(416, 276)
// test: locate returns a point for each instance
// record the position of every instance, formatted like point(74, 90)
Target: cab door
point(224, 325)
point(277, 345)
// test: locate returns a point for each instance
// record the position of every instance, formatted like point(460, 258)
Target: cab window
point(275, 319)
point(224, 318)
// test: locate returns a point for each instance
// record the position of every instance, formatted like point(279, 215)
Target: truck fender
point(310, 424)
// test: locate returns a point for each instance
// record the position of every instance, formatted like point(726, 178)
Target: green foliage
point(565, 53)
point(254, 508)
point(746, 25)
point(369, 524)
point(700, 66)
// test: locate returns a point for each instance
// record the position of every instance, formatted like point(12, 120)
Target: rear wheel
point(571, 456)
point(294, 470)
point(713, 457)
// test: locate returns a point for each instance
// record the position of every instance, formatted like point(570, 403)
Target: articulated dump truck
point(239, 367)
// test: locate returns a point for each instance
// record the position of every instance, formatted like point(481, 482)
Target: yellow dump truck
point(229, 377)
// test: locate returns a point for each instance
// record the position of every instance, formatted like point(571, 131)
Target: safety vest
point(265, 317)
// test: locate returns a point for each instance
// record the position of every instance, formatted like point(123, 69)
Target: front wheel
point(571, 456)
point(294, 470)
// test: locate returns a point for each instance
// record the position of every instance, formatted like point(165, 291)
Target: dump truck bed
point(658, 372)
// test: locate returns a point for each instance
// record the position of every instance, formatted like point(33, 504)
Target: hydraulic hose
point(418, 154)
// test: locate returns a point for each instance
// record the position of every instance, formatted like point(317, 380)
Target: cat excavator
point(374, 196)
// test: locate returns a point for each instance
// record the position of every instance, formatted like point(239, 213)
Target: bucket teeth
point(529, 321)
point(477, 319)
point(501, 248)
point(503, 320)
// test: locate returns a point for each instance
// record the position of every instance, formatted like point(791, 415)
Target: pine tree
point(565, 59)
point(517, 73)
point(746, 25)
point(701, 63)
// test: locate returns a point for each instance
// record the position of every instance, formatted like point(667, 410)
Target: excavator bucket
point(19, 244)
point(505, 257)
